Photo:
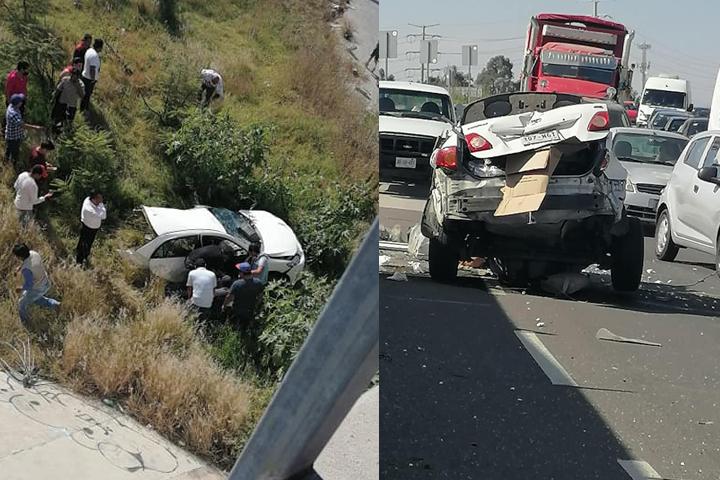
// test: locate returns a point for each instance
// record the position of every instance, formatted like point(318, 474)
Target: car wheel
point(627, 258)
point(443, 261)
point(665, 248)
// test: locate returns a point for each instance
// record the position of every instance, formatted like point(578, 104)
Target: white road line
point(552, 368)
point(639, 470)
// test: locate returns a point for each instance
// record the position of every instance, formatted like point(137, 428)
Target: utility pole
point(423, 36)
point(595, 10)
point(644, 66)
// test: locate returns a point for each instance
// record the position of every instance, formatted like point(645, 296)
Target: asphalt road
point(485, 382)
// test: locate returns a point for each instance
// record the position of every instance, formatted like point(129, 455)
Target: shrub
point(168, 13)
point(215, 158)
point(86, 160)
point(174, 91)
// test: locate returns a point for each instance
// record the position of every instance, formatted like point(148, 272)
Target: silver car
point(649, 157)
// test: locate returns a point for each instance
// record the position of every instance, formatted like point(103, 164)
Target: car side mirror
point(709, 174)
point(690, 107)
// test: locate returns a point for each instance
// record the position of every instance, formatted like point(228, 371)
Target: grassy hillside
point(289, 138)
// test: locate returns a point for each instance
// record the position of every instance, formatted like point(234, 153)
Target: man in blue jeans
point(35, 282)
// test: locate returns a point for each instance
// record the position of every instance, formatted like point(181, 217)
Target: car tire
point(627, 258)
point(665, 249)
point(443, 261)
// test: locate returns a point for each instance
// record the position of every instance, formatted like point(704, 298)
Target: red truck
point(577, 54)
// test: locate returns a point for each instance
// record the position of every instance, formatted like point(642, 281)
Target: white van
point(666, 92)
point(714, 121)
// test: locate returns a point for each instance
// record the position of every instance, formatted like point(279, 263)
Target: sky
point(677, 30)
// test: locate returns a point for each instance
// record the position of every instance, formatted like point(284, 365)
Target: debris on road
point(383, 259)
point(605, 334)
point(398, 277)
point(418, 244)
point(540, 324)
point(565, 283)
point(416, 267)
point(705, 422)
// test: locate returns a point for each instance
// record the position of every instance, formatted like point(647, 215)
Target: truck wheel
point(665, 248)
point(627, 258)
point(443, 261)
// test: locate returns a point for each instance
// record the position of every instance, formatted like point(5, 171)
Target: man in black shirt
point(244, 295)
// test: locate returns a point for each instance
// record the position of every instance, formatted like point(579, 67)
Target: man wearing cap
point(244, 295)
point(201, 284)
point(14, 128)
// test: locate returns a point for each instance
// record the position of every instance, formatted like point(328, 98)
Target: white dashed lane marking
point(549, 364)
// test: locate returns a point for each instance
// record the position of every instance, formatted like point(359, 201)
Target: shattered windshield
point(632, 147)
point(236, 224)
point(408, 103)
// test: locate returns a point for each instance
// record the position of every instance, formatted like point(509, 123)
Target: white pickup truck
point(412, 117)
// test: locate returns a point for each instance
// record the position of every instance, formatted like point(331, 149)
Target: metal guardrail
point(334, 367)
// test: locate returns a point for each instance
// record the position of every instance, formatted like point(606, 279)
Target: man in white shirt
point(91, 71)
point(26, 193)
point(212, 86)
point(91, 216)
point(201, 284)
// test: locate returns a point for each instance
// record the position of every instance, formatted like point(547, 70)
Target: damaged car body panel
point(536, 186)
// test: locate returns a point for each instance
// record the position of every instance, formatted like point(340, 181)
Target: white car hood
point(412, 126)
point(277, 237)
point(166, 220)
point(648, 172)
point(505, 133)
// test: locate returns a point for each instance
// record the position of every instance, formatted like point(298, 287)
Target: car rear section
point(571, 221)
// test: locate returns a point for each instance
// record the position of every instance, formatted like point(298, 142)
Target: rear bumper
point(642, 206)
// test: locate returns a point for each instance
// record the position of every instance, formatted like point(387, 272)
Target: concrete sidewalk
point(354, 450)
point(49, 432)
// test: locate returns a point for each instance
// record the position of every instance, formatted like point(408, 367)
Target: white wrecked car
point(176, 233)
point(525, 180)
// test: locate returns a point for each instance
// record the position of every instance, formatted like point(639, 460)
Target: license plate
point(540, 137)
point(403, 162)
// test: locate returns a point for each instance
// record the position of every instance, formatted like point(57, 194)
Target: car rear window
point(516, 103)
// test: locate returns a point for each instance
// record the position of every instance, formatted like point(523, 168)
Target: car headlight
point(629, 187)
point(294, 261)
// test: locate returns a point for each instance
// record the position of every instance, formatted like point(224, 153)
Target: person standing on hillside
point(14, 129)
point(91, 216)
point(26, 196)
point(65, 100)
point(38, 156)
point(36, 282)
point(259, 263)
point(16, 83)
point(211, 86)
point(81, 49)
point(201, 284)
point(91, 71)
point(244, 295)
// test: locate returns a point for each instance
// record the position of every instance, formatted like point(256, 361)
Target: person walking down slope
point(91, 216)
point(211, 87)
point(65, 100)
point(14, 129)
point(81, 49)
point(91, 71)
point(26, 196)
point(201, 284)
point(36, 283)
point(244, 295)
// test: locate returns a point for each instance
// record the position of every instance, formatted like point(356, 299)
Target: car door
point(239, 252)
point(168, 260)
point(681, 195)
point(703, 201)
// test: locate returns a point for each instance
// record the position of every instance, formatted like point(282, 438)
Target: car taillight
point(477, 143)
point(446, 158)
point(599, 121)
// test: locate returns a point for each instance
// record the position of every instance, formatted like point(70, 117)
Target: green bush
point(175, 90)
point(86, 160)
point(168, 13)
point(215, 158)
point(329, 224)
point(270, 345)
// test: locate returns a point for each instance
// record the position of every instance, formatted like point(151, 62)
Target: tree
point(497, 76)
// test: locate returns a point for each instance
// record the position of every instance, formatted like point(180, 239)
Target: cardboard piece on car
point(526, 181)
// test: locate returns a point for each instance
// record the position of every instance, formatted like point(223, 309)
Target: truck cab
point(666, 92)
point(578, 55)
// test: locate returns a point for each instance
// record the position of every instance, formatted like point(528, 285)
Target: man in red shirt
point(16, 81)
point(38, 156)
point(80, 49)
